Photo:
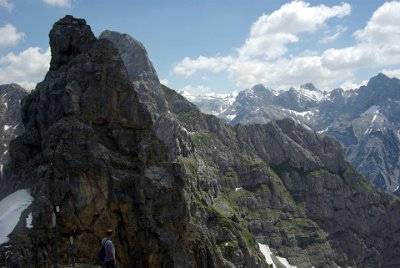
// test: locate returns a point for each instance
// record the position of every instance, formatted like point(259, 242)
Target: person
point(110, 260)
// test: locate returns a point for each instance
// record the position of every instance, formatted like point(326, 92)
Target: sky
point(203, 46)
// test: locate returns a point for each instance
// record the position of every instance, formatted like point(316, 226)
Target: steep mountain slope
point(180, 188)
point(294, 191)
point(365, 121)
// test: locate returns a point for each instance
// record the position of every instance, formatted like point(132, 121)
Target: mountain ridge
point(353, 117)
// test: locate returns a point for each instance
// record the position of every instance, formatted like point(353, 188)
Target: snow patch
point(11, 208)
point(315, 95)
point(266, 251)
point(29, 221)
point(371, 110)
point(231, 116)
point(374, 118)
point(239, 188)
point(285, 262)
point(323, 131)
point(6, 127)
point(308, 115)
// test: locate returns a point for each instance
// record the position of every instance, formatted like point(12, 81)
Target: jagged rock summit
point(140, 70)
point(180, 188)
point(134, 55)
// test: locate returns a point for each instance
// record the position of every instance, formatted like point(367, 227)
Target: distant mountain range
point(365, 121)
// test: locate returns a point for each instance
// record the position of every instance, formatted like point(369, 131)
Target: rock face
point(10, 118)
point(295, 192)
point(140, 70)
point(180, 188)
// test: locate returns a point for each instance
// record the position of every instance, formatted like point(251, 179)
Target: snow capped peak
point(310, 91)
point(209, 95)
point(211, 102)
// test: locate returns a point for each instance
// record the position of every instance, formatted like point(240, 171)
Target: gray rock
point(140, 70)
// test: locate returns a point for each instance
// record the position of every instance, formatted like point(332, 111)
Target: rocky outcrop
point(140, 70)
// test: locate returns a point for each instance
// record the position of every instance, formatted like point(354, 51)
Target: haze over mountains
point(365, 120)
point(105, 141)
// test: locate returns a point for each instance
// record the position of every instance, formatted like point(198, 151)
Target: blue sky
point(220, 45)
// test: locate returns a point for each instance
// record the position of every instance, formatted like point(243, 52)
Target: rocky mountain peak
point(134, 55)
point(140, 70)
point(378, 82)
point(379, 78)
point(259, 87)
point(68, 38)
point(309, 86)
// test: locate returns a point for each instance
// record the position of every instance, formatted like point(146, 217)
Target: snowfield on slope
point(269, 256)
point(11, 208)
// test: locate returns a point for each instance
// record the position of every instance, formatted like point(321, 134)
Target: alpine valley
point(364, 120)
point(106, 143)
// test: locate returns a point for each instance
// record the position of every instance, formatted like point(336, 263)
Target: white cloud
point(263, 59)
point(195, 90)
point(332, 37)
point(378, 43)
point(348, 84)
point(26, 68)
point(9, 35)
point(383, 27)
point(260, 60)
point(58, 3)
point(9, 6)
point(270, 34)
point(392, 73)
point(214, 64)
point(350, 57)
point(284, 73)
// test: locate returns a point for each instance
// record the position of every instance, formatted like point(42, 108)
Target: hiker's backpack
point(102, 253)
